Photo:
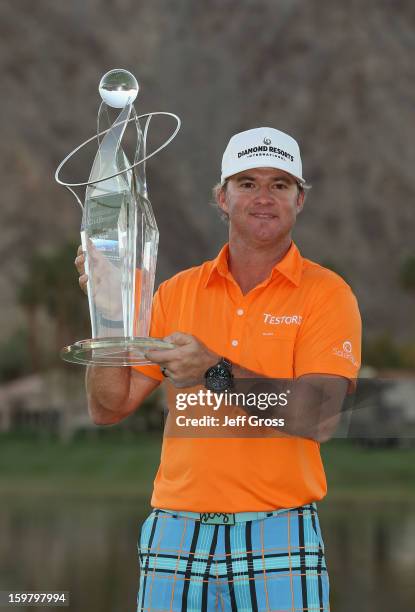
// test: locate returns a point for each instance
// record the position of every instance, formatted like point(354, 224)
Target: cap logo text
point(271, 151)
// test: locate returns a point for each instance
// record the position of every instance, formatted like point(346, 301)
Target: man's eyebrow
point(286, 179)
point(277, 177)
point(245, 177)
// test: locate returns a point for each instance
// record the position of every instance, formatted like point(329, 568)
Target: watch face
point(218, 378)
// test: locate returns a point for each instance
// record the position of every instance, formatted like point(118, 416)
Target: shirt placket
point(236, 338)
point(240, 305)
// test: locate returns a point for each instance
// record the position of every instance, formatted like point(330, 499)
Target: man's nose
point(263, 195)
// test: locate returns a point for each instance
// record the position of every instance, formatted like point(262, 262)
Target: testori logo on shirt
point(282, 319)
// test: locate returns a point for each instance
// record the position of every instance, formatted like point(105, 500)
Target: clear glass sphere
point(118, 87)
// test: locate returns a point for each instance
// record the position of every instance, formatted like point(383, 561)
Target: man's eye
point(247, 185)
point(280, 186)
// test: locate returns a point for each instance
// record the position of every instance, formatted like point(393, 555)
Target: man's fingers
point(83, 281)
point(80, 263)
point(161, 356)
point(179, 338)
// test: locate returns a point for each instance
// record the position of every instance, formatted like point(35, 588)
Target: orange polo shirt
point(302, 319)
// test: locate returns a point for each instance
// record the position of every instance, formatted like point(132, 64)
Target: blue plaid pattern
point(273, 564)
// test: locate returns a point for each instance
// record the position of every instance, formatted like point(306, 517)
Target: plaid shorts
point(275, 563)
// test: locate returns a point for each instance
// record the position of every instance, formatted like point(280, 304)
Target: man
point(234, 524)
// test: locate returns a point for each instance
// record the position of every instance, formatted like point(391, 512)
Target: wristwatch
point(219, 377)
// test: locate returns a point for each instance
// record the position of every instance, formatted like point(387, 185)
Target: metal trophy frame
point(120, 239)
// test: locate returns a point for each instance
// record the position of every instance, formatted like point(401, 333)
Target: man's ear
point(222, 203)
point(300, 201)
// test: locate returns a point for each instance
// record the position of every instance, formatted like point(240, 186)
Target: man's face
point(262, 205)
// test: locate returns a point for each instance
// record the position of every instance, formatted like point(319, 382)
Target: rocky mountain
point(338, 76)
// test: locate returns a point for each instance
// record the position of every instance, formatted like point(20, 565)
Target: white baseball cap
point(262, 147)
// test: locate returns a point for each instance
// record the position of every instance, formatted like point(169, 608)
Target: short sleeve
point(157, 328)
point(329, 341)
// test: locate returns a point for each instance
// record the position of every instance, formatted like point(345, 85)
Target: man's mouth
point(260, 215)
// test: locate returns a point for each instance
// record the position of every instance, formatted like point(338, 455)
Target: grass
point(121, 465)
point(109, 465)
point(384, 474)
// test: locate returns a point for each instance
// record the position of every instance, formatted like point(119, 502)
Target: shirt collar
point(290, 266)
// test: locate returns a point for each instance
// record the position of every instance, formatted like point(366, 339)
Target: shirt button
point(234, 342)
point(240, 312)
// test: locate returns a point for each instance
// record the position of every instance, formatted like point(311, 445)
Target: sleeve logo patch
point(346, 352)
point(347, 346)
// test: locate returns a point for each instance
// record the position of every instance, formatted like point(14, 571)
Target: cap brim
point(261, 164)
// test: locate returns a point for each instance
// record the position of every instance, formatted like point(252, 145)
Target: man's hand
point(80, 266)
point(185, 365)
point(105, 281)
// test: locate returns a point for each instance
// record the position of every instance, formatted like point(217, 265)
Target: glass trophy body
point(119, 235)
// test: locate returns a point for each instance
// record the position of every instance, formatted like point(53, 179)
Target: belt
point(225, 518)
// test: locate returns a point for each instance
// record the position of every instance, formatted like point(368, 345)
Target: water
point(89, 549)
point(370, 552)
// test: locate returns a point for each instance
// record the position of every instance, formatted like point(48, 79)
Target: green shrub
point(14, 357)
point(407, 273)
point(384, 352)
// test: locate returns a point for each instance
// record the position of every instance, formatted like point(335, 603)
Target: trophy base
point(112, 351)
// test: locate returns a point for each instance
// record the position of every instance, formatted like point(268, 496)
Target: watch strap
point(226, 363)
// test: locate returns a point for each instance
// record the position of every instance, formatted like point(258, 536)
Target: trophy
point(119, 233)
